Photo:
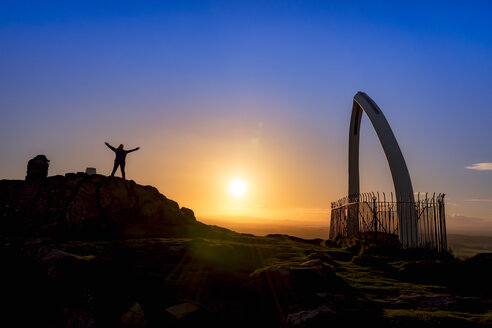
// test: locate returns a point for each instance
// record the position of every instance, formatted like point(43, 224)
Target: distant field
point(466, 246)
point(462, 246)
point(265, 227)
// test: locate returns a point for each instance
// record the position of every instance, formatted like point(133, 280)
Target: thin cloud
point(480, 167)
point(479, 200)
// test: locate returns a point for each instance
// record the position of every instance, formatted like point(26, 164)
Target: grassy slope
point(215, 274)
point(464, 246)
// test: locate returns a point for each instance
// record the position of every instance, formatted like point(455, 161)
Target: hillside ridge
point(82, 206)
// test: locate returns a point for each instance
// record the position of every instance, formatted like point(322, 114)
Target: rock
point(90, 170)
point(182, 310)
point(84, 205)
point(310, 275)
point(91, 206)
point(78, 318)
point(35, 241)
point(56, 254)
point(134, 317)
point(37, 168)
point(291, 286)
point(468, 276)
point(312, 263)
point(308, 317)
point(188, 213)
point(481, 258)
point(431, 302)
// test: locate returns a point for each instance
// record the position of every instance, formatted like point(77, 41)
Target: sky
point(261, 91)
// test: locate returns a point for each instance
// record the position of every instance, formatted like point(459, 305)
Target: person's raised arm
point(111, 147)
point(129, 151)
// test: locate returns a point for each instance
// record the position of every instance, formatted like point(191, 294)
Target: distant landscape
point(246, 164)
point(93, 251)
point(465, 246)
point(461, 245)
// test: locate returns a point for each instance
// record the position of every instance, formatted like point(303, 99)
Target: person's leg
point(114, 168)
point(122, 168)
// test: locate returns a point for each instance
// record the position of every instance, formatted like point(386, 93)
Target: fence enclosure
point(379, 218)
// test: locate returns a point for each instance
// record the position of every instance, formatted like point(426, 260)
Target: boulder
point(91, 206)
point(294, 286)
point(309, 317)
point(37, 168)
point(57, 255)
point(134, 317)
point(181, 311)
point(188, 213)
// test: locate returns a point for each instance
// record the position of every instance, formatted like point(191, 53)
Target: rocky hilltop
point(95, 251)
point(92, 207)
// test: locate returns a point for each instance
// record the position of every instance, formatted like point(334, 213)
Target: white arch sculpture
point(407, 216)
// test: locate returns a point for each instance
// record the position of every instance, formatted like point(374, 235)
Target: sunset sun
point(237, 188)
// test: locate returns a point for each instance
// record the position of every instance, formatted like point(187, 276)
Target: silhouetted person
point(37, 168)
point(120, 158)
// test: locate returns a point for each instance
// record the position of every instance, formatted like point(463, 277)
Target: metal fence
point(379, 218)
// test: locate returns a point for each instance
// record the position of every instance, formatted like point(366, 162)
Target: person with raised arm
point(120, 158)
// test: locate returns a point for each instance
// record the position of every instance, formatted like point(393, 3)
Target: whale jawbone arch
point(407, 216)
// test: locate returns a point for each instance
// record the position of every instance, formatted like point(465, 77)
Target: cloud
point(468, 225)
point(480, 167)
point(479, 200)
point(460, 224)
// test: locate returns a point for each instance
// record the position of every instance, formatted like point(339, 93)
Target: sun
point(237, 188)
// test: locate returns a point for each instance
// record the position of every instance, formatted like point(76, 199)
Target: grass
point(436, 318)
point(214, 273)
point(374, 283)
point(464, 246)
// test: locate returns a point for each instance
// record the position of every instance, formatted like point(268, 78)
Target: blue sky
point(262, 89)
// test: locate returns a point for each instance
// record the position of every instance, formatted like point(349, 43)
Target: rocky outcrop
point(83, 206)
point(37, 168)
point(470, 276)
